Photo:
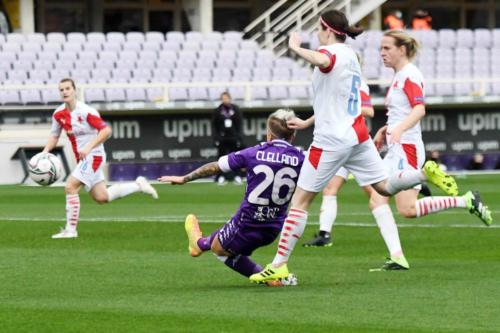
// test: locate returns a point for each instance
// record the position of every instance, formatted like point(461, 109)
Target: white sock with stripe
point(121, 190)
point(404, 180)
point(328, 213)
point(72, 211)
point(430, 205)
point(293, 228)
point(388, 229)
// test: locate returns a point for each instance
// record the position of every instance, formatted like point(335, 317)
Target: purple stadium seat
point(24, 65)
point(242, 74)
point(11, 47)
point(101, 75)
point(136, 94)
point(76, 37)
point(10, 97)
point(32, 47)
point(7, 56)
point(96, 38)
point(31, 97)
point(194, 36)
point(147, 56)
point(462, 89)
point(141, 75)
point(198, 94)
point(210, 45)
point(112, 47)
point(465, 38)
point(39, 75)
point(237, 93)
point(192, 46)
point(278, 92)
point(301, 73)
point(373, 38)
point(165, 64)
point(234, 36)
point(155, 94)
point(152, 45)
point(259, 93)
point(202, 74)
point(154, 36)
point(214, 36)
point(132, 46)
point(245, 62)
point(167, 54)
point(51, 96)
point(3, 75)
point(81, 75)
point(63, 64)
point(18, 75)
point(178, 94)
point(173, 46)
point(93, 47)
point(94, 95)
point(43, 64)
point(35, 38)
point(482, 38)
point(115, 95)
point(68, 56)
point(16, 38)
point(221, 75)
point(207, 63)
point(162, 74)
point(26, 56)
point(175, 36)
point(185, 63)
point(182, 74)
point(225, 62)
point(72, 47)
point(126, 63)
point(121, 75)
point(229, 45)
point(105, 63)
point(135, 37)
point(87, 64)
point(281, 73)
point(52, 47)
point(215, 92)
point(57, 75)
point(57, 37)
point(261, 74)
point(447, 38)
point(115, 37)
point(249, 45)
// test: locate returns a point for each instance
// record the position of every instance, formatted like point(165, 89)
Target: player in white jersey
point(340, 136)
point(406, 107)
point(87, 132)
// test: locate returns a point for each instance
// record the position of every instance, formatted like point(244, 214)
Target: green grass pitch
point(129, 270)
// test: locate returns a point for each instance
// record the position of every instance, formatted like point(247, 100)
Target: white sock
point(404, 180)
point(430, 205)
point(72, 211)
point(121, 190)
point(328, 213)
point(388, 229)
point(293, 228)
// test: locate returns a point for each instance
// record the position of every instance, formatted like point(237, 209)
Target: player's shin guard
point(430, 205)
point(388, 228)
point(404, 180)
point(121, 190)
point(293, 228)
point(241, 264)
point(72, 211)
point(328, 213)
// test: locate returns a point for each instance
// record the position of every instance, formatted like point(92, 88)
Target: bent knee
point(218, 250)
point(408, 212)
point(101, 200)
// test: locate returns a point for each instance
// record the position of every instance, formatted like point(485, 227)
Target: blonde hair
point(402, 38)
point(276, 124)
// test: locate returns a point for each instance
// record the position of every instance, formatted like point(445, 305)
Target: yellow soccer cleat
point(440, 178)
point(194, 233)
point(270, 273)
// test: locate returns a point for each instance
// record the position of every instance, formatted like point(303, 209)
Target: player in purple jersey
point(272, 171)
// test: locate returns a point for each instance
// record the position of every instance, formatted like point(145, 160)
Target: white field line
point(214, 220)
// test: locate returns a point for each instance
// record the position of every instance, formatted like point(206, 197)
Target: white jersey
point(81, 126)
point(406, 91)
point(337, 102)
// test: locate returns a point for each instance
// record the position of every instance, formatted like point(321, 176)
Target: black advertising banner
point(188, 137)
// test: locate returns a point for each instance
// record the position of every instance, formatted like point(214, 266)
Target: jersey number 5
point(277, 181)
point(352, 107)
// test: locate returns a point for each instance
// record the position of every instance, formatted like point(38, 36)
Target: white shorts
point(362, 160)
point(405, 156)
point(90, 171)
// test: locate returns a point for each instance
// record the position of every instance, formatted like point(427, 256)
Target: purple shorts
point(239, 238)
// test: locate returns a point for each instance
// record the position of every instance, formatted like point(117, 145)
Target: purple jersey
point(272, 172)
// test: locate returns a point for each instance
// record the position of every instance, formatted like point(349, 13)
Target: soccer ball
point(45, 168)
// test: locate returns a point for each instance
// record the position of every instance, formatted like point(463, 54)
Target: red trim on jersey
point(414, 93)
point(314, 156)
point(63, 117)
point(96, 162)
point(332, 61)
point(96, 122)
point(411, 154)
point(360, 128)
point(366, 101)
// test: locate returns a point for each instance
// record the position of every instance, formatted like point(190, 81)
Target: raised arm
point(313, 57)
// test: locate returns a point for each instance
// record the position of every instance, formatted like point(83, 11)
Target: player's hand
point(84, 153)
point(379, 139)
point(294, 40)
point(296, 123)
point(174, 180)
point(395, 135)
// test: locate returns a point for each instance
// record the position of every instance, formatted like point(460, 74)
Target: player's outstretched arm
point(297, 123)
point(313, 57)
point(209, 169)
point(51, 144)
